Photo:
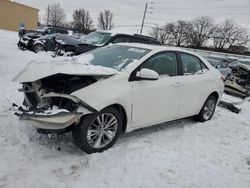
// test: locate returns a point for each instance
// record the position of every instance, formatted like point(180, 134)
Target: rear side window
point(163, 63)
point(192, 65)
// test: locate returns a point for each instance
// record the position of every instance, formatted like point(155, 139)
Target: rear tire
point(207, 110)
point(98, 131)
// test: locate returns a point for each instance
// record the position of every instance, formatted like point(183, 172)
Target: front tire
point(98, 131)
point(38, 48)
point(207, 110)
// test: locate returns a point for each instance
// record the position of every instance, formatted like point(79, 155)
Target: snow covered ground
point(182, 154)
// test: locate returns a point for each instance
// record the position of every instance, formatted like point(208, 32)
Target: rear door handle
point(177, 84)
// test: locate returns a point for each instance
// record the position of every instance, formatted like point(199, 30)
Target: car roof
point(156, 47)
point(113, 33)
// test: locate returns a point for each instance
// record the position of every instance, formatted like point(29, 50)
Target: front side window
point(191, 64)
point(163, 63)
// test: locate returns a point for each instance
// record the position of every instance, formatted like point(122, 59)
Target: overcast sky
point(128, 13)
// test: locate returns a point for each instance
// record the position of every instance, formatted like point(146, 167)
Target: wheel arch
point(215, 94)
point(123, 113)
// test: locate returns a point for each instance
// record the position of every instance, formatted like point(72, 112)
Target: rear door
point(195, 85)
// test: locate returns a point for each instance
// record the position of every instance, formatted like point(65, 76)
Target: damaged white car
point(115, 89)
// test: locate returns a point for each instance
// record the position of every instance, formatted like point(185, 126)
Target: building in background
point(14, 16)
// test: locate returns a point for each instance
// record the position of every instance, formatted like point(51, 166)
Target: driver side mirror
point(147, 74)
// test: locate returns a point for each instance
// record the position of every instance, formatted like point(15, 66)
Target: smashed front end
point(49, 103)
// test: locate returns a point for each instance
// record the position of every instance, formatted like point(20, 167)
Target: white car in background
point(118, 88)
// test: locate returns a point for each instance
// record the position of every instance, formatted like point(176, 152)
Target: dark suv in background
point(102, 38)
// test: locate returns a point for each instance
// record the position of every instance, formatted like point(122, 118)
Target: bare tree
point(55, 15)
point(240, 37)
point(229, 33)
point(177, 33)
point(105, 20)
point(160, 33)
point(82, 20)
point(199, 30)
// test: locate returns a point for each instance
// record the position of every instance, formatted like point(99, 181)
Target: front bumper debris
point(22, 44)
point(50, 119)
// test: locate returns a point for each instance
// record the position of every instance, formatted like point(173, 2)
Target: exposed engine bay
point(52, 91)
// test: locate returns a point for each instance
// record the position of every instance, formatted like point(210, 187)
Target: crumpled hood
point(37, 70)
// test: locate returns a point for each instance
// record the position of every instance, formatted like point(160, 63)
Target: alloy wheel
point(208, 109)
point(102, 130)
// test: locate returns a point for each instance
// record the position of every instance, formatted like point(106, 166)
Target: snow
point(84, 58)
point(181, 154)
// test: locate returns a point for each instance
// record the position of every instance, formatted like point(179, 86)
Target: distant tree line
point(202, 32)
point(82, 21)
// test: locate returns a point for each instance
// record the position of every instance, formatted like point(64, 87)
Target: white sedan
point(115, 89)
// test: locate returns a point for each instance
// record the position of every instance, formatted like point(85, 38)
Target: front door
point(159, 100)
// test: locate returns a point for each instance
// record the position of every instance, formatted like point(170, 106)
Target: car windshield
point(42, 29)
point(116, 57)
point(97, 38)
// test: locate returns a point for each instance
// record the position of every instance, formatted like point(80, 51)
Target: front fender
point(113, 90)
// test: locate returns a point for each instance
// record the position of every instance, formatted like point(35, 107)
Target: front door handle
point(177, 84)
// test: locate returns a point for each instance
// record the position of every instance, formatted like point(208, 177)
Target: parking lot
point(183, 153)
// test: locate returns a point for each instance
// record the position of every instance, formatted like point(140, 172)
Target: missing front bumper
point(50, 119)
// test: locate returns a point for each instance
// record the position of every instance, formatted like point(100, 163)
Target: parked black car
point(26, 40)
point(102, 38)
point(54, 41)
point(43, 31)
